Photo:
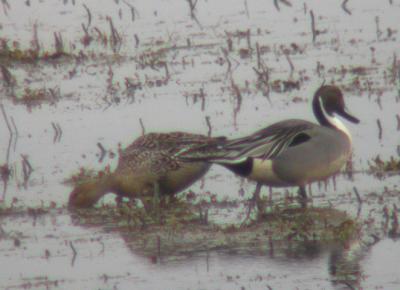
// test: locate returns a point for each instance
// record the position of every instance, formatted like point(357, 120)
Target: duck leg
point(253, 202)
point(260, 209)
point(302, 196)
point(156, 200)
point(302, 192)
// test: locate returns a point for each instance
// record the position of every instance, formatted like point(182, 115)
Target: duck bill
point(347, 115)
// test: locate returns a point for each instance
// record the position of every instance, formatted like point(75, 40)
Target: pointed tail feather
point(217, 152)
point(267, 143)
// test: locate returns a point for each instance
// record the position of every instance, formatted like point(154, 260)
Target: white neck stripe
point(334, 121)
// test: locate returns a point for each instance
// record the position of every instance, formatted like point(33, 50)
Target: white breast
point(262, 172)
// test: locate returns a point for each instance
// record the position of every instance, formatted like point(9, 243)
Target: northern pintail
point(147, 166)
point(291, 152)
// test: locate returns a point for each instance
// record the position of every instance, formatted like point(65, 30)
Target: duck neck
point(103, 186)
point(326, 119)
point(88, 193)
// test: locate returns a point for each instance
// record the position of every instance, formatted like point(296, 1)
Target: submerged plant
point(35, 97)
point(379, 166)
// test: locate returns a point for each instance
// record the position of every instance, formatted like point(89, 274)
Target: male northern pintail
point(147, 166)
point(291, 152)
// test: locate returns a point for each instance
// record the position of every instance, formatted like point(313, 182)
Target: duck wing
point(266, 143)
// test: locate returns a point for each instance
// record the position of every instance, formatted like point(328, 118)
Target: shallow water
point(91, 103)
point(44, 256)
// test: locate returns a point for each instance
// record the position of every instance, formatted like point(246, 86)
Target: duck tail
point(218, 152)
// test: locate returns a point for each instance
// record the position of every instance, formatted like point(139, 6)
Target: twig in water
point(286, 52)
point(202, 96)
point(74, 253)
point(313, 30)
point(116, 40)
point(192, 6)
point(344, 7)
point(263, 80)
point(58, 43)
point(6, 119)
point(395, 222)
point(101, 36)
point(319, 68)
point(239, 99)
point(57, 132)
point(348, 285)
point(27, 164)
point(142, 126)
point(8, 78)
point(159, 248)
point(35, 40)
point(86, 39)
point(378, 122)
point(379, 101)
point(26, 169)
point(229, 69)
point(386, 218)
point(395, 70)
point(287, 3)
point(258, 55)
point(102, 248)
point(55, 93)
point(167, 75)
point(6, 6)
point(103, 151)
point(134, 11)
point(137, 41)
point(230, 43)
point(11, 135)
point(89, 16)
point(208, 122)
point(203, 215)
point(378, 30)
point(248, 35)
point(357, 195)
point(246, 7)
point(5, 173)
point(16, 132)
point(276, 3)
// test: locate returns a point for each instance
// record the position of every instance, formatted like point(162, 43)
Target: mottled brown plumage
point(147, 165)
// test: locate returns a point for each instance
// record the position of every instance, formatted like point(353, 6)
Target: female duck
point(146, 166)
point(291, 152)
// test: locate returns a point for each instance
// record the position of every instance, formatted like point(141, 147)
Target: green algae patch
point(295, 233)
point(30, 56)
point(137, 214)
point(11, 52)
point(34, 97)
point(322, 224)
